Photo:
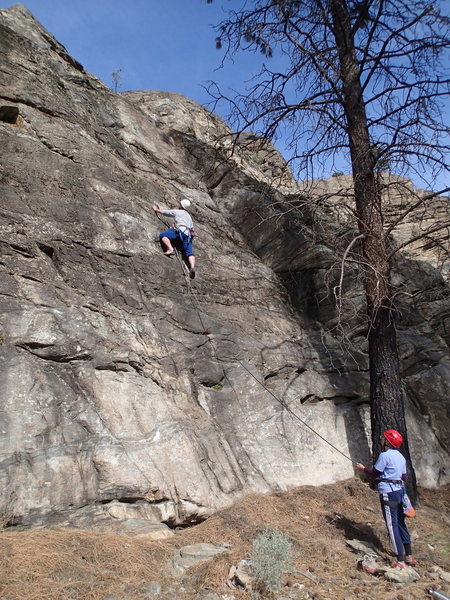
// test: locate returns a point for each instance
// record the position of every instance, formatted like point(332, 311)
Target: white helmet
point(185, 203)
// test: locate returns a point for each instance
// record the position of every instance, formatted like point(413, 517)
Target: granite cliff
point(133, 398)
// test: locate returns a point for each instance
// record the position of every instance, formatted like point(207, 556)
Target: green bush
point(271, 556)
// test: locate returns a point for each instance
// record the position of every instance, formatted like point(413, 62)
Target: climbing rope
point(196, 307)
point(279, 400)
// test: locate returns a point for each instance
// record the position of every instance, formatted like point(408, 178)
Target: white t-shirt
point(392, 465)
point(182, 220)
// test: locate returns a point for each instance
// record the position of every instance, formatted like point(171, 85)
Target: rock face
point(124, 384)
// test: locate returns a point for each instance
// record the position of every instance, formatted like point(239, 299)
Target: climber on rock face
point(180, 234)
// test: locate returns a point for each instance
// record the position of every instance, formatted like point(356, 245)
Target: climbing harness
point(395, 481)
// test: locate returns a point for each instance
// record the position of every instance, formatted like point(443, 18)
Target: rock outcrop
point(128, 393)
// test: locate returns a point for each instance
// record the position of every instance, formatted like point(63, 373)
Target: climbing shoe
point(399, 565)
point(411, 561)
point(192, 273)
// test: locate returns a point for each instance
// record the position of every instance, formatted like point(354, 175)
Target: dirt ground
point(66, 564)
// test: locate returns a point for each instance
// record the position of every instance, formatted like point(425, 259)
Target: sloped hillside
point(82, 565)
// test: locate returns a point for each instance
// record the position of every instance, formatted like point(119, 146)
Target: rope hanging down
point(294, 414)
point(281, 402)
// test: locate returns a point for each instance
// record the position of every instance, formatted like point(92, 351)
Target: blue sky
point(159, 45)
point(164, 45)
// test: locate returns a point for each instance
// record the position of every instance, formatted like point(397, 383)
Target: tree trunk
point(387, 406)
point(386, 395)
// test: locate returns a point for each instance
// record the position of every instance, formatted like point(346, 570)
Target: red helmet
point(393, 437)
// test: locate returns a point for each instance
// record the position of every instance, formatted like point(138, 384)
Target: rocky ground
point(62, 564)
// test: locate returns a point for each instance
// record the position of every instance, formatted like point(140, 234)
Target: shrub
point(7, 512)
point(271, 555)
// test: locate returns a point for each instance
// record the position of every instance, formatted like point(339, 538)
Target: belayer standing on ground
point(390, 474)
point(180, 234)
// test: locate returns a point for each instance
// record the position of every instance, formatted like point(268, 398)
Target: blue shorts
point(180, 240)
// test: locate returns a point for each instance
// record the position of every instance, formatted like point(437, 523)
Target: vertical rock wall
point(121, 381)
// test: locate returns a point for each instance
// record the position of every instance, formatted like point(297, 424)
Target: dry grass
point(74, 564)
point(82, 565)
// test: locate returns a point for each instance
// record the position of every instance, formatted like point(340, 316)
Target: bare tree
point(366, 79)
point(117, 79)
